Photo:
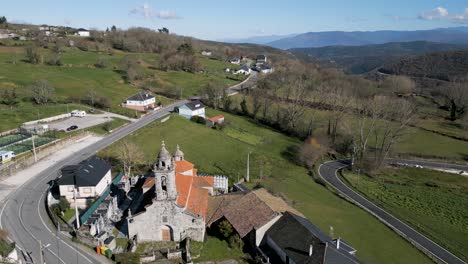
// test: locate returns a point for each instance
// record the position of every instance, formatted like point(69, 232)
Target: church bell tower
point(164, 175)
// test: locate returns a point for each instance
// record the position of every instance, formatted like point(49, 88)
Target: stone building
point(179, 207)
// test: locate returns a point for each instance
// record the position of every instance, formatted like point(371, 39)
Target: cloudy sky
point(219, 19)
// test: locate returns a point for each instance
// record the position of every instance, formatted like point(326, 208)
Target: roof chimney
point(311, 250)
point(338, 243)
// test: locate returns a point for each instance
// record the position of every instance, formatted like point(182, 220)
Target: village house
point(193, 108)
point(211, 122)
point(179, 207)
point(294, 239)
point(207, 53)
point(81, 32)
point(89, 179)
point(261, 59)
point(140, 102)
point(264, 68)
point(244, 70)
point(236, 61)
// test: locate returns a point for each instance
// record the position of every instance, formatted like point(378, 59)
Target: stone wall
point(147, 225)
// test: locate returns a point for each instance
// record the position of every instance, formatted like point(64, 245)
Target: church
point(179, 207)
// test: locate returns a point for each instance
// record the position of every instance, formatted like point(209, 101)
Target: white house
point(207, 53)
point(261, 59)
point(236, 61)
point(140, 101)
point(244, 70)
point(265, 69)
point(194, 108)
point(44, 28)
point(82, 32)
point(90, 178)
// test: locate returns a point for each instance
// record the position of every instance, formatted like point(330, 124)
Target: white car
point(78, 113)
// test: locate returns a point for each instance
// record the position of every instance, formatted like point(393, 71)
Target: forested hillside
point(362, 59)
point(445, 66)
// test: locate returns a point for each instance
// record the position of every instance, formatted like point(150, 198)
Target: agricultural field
point(431, 201)
point(225, 152)
point(77, 77)
point(11, 139)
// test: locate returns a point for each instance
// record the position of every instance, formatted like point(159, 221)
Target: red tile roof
point(183, 166)
point(216, 118)
point(149, 182)
point(192, 189)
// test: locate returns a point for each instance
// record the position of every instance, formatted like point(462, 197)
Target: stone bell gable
point(179, 208)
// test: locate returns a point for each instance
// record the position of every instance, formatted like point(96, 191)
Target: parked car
point(72, 128)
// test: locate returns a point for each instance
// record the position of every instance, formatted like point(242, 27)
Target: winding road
point(23, 213)
point(328, 171)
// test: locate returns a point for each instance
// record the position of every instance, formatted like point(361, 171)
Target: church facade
point(179, 208)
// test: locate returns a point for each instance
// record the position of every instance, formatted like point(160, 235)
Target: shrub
point(101, 62)
point(236, 242)
point(198, 119)
point(225, 228)
point(63, 204)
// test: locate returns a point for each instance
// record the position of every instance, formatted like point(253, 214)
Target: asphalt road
point(23, 213)
point(328, 171)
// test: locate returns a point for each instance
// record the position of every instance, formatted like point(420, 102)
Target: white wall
point(260, 233)
point(83, 33)
point(188, 112)
point(89, 191)
point(144, 103)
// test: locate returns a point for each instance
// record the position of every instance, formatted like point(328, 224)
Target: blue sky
point(218, 19)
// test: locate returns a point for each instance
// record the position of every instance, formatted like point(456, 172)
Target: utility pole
point(34, 148)
point(77, 215)
point(247, 178)
point(41, 257)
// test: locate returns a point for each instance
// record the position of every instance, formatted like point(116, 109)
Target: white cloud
point(435, 14)
point(463, 18)
point(167, 15)
point(147, 12)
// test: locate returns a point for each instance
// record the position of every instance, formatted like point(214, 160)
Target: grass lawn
point(213, 249)
point(109, 126)
point(432, 201)
point(78, 76)
point(219, 152)
point(68, 214)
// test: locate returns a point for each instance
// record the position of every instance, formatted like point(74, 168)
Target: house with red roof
point(179, 208)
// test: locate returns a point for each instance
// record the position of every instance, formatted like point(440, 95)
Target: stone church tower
point(164, 173)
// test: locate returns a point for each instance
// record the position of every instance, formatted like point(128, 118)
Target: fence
point(46, 120)
point(84, 217)
point(43, 151)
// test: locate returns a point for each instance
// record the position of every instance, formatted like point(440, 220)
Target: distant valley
point(362, 59)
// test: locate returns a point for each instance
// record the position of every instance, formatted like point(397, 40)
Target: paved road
point(247, 83)
point(328, 172)
point(23, 214)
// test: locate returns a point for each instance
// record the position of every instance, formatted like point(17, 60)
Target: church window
point(164, 183)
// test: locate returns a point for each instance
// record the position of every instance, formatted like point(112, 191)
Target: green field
point(213, 249)
point(225, 152)
point(109, 126)
point(432, 201)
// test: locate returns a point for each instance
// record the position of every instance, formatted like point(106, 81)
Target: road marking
point(50, 231)
point(391, 216)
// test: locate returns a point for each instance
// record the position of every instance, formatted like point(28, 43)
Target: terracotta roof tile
point(183, 166)
point(216, 118)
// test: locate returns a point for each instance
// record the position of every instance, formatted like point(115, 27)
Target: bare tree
point(382, 120)
point(42, 92)
point(130, 155)
point(399, 84)
point(456, 97)
point(32, 54)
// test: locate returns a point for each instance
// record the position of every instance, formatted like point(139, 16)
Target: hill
point(457, 35)
point(445, 66)
point(362, 59)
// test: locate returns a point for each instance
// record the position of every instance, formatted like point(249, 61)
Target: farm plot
point(11, 139)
